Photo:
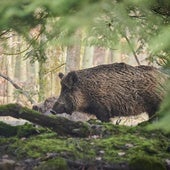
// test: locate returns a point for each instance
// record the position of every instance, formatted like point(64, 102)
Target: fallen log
point(58, 124)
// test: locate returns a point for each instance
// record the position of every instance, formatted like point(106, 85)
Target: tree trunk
point(107, 56)
point(9, 67)
point(41, 95)
point(88, 57)
point(112, 56)
point(73, 54)
point(73, 58)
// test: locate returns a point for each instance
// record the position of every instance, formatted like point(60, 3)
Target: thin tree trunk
point(10, 71)
point(73, 58)
point(41, 82)
point(10, 90)
point(112, 56)
point(17, 67)
point(36, 77)
point(88, 57)
point(73, 54)
point(107, 56)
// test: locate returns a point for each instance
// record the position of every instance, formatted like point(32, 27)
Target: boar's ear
point(71, 79)
point(60, 75)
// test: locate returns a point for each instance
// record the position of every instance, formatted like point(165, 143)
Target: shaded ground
point(115, 147)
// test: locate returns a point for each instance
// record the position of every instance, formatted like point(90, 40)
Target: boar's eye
point(60, 75)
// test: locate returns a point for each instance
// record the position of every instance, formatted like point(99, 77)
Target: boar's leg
point(99, 111)
point(104, 117)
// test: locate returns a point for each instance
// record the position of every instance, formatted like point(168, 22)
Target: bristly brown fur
point(114, 90)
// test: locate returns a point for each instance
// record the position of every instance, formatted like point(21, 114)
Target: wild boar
point(111, 90)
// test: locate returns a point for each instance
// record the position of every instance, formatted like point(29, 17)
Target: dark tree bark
point(60, 125)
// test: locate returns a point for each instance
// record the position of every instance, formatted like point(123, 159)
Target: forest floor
point(114, 147)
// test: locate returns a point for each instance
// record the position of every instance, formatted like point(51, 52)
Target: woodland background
point(40, 39)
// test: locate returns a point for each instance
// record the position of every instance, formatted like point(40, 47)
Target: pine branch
point(26, 49)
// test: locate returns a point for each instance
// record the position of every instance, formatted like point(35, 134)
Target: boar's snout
point(53, 112)
point(58, 108)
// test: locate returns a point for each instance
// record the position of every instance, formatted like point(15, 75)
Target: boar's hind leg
point(99, 111)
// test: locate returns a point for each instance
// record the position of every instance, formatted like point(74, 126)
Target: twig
point(34, 39)
point(55, 68)
point(4, 32)
point(133, 51)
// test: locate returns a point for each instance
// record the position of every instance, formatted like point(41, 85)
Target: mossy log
point(60, 125)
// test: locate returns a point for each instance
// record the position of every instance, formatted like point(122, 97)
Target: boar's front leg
point(99, 111)
point(104, 117)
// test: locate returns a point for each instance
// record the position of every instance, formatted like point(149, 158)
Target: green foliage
point(164, 114)
point(109, 21)
point(19, 15)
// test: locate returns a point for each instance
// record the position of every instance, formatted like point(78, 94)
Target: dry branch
point(60, 125)
point(133, 51)
point(18, 87)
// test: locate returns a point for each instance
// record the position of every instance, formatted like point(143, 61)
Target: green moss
point(5, 108)
point(146, 163)
point(39, 145)
point(113, 144)
point(25, 130)
point(82, 149)
point(7, 130)
point(54, 164)
point(85, 128)
point(28, 129)
point(27, 110)
point(34, 148)
point(130, 141)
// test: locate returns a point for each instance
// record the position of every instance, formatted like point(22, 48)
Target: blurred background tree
point(140, 23)
point(75, 29)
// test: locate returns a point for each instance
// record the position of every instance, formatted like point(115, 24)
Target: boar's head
point(71, 97)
